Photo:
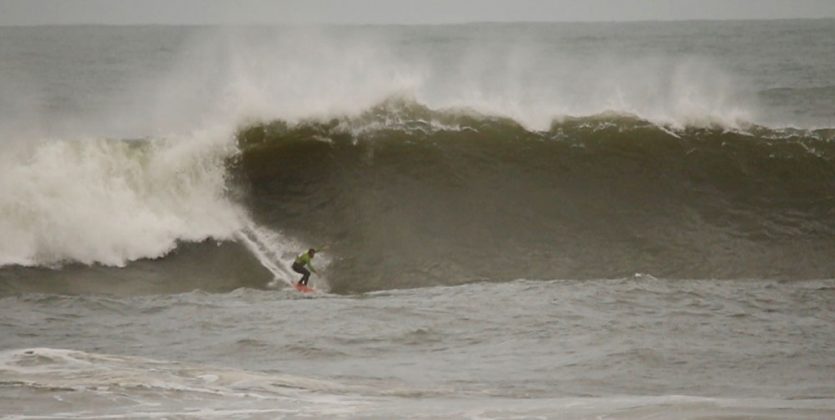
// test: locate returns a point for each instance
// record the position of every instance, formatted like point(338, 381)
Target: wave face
point(409, 196)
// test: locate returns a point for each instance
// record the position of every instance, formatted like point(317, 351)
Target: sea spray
point(273, 251)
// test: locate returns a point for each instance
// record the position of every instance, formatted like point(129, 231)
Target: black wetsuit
point(301, 269)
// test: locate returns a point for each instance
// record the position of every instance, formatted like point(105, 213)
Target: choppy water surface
point(632, 347)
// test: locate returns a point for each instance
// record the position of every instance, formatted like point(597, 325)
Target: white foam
point(110, 202)
point(98, 201)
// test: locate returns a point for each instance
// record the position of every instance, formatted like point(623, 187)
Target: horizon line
point(485, 22)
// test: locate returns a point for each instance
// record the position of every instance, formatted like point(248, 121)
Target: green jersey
point(304, 260)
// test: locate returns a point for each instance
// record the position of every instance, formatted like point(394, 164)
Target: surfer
point(303, 266)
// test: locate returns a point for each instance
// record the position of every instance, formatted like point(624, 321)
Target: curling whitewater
point(628, 348)
point(109, 202)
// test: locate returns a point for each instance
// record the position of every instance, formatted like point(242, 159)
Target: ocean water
point(601, 220)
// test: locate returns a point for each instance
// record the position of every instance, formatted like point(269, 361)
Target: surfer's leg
point(303, 271)
point(305, 276)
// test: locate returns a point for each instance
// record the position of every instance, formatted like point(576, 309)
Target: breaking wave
point(409, 196)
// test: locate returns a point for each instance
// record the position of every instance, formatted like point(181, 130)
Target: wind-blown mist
point(517, 72)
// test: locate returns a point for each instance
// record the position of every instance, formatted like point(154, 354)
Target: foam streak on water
point(272, 251)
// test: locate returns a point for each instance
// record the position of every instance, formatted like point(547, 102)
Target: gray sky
point(37, 12)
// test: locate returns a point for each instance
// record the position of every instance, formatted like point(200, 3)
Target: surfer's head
point(311, 252)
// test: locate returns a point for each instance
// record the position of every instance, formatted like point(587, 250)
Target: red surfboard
point(304, 289)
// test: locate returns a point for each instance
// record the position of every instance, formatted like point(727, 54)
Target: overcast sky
point(38, 12)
